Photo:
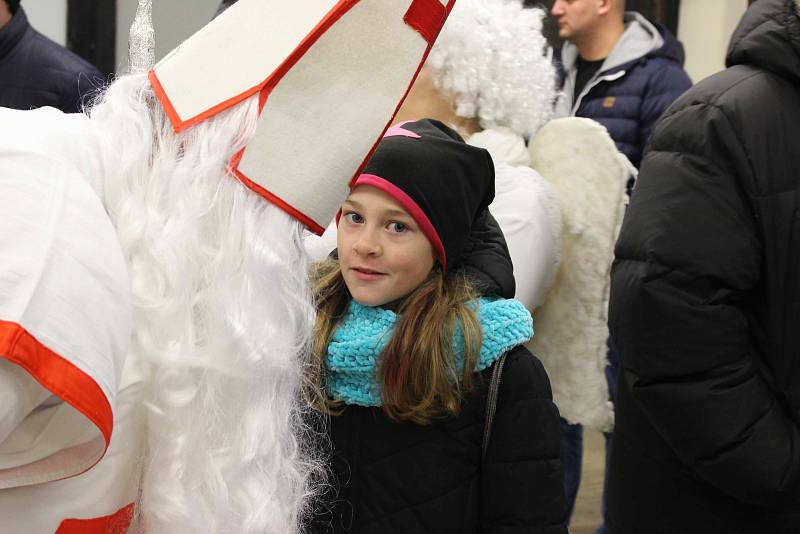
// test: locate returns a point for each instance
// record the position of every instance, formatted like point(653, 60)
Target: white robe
point(71, 421)
point(527, 212)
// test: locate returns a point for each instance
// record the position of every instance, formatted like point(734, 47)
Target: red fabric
point(266, 86)
point(427, 17)
point(58, 375)
point(282, 204)
point(116, 523)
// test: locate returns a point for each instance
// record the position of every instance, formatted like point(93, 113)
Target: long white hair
point(493, 61)
point(223, 317)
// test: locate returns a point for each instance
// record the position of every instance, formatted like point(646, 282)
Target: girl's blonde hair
point(417, 371)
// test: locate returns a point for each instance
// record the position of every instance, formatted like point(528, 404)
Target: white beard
point(223, 318)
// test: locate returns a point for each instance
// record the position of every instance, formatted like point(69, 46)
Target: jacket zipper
point(591, 85)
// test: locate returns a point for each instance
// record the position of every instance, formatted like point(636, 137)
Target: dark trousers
point(572, 444)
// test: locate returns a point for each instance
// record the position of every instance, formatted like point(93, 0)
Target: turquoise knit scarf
point(363, 332)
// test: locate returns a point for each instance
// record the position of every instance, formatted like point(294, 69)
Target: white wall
point(174, 21)
point(49, 17)
point(704, 28)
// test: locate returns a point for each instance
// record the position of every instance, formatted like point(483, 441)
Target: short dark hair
point(13, 5)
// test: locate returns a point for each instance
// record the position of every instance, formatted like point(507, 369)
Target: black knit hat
point(440, 180)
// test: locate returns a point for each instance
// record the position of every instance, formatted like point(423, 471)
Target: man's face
point(5, 13)
point(575, 17)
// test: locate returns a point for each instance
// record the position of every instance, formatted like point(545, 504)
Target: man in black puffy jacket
point(36, 72)
point(705, 302)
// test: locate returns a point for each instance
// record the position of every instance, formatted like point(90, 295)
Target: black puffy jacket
point(403, 478)
point(705, 302)
point(36, 72)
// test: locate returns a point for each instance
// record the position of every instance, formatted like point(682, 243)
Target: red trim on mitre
point(60, 376)
point(310, 223)
point(266, 86)
point(418, 17)
point(285, 206)
point(117, 523)
point(410, 206)
point(180, 125)
point(427, 17)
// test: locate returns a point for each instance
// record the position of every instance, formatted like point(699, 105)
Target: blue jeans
point(572, 444)
point(612, 370)
point(571, 460)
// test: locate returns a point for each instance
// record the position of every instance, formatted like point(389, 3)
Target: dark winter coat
point(36, 72)
point(641, 77)
point(403, 478)
point(705, 302)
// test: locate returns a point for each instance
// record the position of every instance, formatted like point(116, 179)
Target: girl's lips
point(366, 274)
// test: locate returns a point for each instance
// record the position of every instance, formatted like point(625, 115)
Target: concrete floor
point(586, 516)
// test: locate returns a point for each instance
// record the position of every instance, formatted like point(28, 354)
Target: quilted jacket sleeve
point(688, 261)
point(522, 483)
point(663, 88)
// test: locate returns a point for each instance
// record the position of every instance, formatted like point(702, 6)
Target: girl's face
point(383, 253)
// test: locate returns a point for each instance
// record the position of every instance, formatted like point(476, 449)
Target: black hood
point(768, 36)
point(440, 180)
point(485, 258)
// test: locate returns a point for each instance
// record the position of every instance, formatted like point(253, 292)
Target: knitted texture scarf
point(355, 350)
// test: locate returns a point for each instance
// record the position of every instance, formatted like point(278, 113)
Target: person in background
point(37, 72)
point(490, 78)
point(404, 346)
point(704, 302)
point(617, 68)
point(623, 71)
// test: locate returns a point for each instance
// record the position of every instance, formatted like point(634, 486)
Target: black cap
point(441, 181)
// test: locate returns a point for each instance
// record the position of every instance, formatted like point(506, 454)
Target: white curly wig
point(492, 60)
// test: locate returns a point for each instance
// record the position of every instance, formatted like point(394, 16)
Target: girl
point(411, 320)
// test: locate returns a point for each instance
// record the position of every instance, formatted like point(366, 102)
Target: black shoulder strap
point(491, 401)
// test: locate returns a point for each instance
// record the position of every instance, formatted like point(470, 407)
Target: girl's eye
point(397, 227)
point(353, 217)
